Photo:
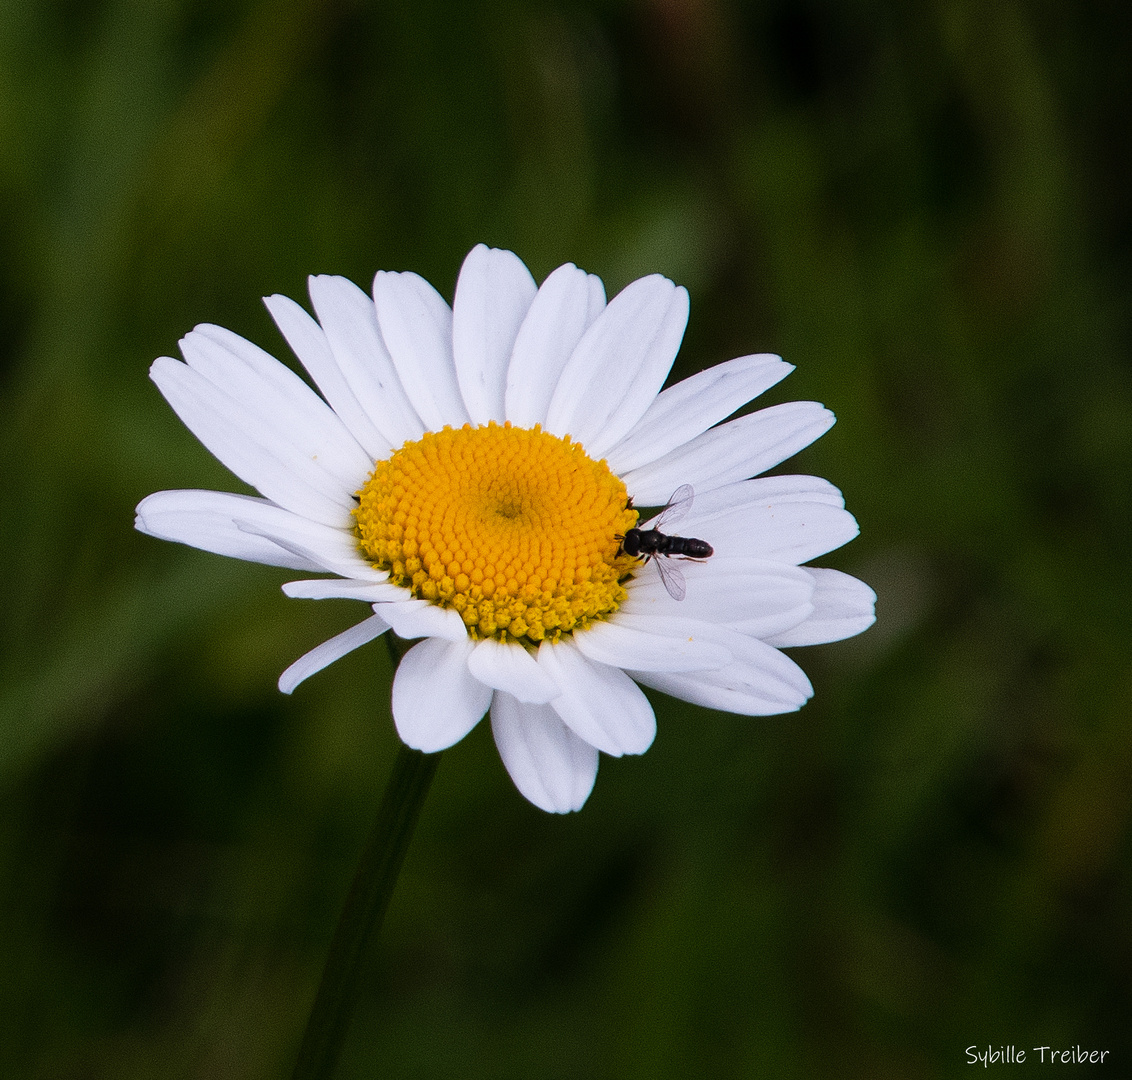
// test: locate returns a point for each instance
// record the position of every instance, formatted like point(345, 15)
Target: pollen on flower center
point(514, 528)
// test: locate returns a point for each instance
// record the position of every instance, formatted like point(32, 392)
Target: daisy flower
point(473, 473)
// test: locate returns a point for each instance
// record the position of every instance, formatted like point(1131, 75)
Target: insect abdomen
point(697, 549)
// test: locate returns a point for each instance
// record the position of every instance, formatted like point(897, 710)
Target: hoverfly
point(650, 544)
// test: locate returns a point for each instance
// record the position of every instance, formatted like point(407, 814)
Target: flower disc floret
point(514, 528)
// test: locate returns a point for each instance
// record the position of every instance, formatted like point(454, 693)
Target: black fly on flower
point(654, 546)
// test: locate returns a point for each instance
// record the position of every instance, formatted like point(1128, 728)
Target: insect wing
point(678, 506)
point(672, 577)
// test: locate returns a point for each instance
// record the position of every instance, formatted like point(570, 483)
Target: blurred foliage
point(925, 207)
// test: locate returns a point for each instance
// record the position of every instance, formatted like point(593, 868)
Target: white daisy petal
point(549, 764)
point(511, 668)
point(258, 453)
point(782, 518)
point(493, 295)
point(650, 644)
point(785, 532)
point(620, 364)
point(349, 321)
point(752, 595)
point(718, 503)
point(597, 702)
point(371, 592)
point(759, 681)
point(329, 549)
point(202, 519)
point(325, 654)
point(563, 309)
point(843, 606)
point(416, 324)
point(436, 699)
point(275, 394)
point(419, 618)
point(733, 451)
point(309, 343)
point(208, 520)
point(691, 407)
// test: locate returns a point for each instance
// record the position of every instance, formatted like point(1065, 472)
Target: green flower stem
point(364, 910)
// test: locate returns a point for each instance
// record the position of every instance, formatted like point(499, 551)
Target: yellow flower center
point(514, 528)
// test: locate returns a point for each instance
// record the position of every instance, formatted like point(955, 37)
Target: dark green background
point(924, 206)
